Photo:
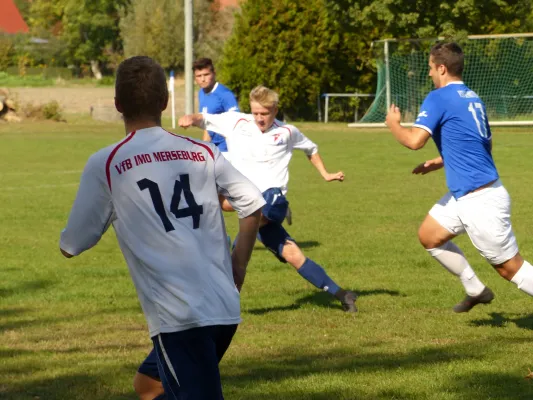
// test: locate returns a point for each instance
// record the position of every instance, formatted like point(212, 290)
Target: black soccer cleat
point(348, 301)
point(485, 297)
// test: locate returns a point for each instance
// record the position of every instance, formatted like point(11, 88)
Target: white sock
point(524, 278)
point(453, 259)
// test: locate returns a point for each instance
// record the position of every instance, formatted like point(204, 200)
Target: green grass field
point(73, 329)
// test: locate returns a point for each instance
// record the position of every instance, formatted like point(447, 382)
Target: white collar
point(455, 83)
point(212, 90)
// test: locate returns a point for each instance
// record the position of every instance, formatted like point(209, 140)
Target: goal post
point(499, 68)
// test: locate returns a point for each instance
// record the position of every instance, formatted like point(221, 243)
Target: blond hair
point(264, 96)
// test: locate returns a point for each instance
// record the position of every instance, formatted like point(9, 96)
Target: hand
point(428, 166)
point(338, 176)
point(186, 121)
point(394, 116)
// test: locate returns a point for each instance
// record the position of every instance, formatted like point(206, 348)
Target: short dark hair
point(141, 88)
point(450, 55)
point(203, 63)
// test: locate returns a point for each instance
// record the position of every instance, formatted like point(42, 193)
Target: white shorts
point(485, 216)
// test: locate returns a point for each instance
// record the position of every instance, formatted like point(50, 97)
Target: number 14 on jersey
point(193, 210)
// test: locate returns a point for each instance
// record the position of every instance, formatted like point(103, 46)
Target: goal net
point(499, 68)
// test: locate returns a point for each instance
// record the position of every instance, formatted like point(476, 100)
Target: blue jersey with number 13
point(456, 118)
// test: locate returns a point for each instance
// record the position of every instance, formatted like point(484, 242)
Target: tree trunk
point(95, 68)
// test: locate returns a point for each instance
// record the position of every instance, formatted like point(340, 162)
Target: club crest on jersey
point(468, 94)
point(276, 137)
point(423, 114)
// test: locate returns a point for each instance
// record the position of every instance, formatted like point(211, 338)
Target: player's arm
point(317, 162)
point(206, 137)
point(246, 199)
point(413, 138)
point(301, 142)
point(91, 214)
point(222, 124)
point(429, 166)
point(241, 254)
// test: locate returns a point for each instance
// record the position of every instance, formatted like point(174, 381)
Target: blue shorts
point(187, 361)
point(274, 236)
point(276, 205)
point(149, 366)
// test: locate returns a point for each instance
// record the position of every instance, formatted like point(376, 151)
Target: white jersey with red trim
point(160, 192)
point(263, 157)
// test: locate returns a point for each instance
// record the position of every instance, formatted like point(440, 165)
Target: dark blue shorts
point(187, 361)
point(276, 205)
point(149, 366)
point(274, 236)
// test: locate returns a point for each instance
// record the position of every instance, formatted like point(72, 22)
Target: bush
point(51, 111)
point(6, 52)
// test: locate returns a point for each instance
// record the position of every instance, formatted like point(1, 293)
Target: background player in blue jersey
point(477, 202)
point(213, 98)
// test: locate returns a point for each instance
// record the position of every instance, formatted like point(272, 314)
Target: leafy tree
point(88, 29)
point(156, 29)
point(24, 8)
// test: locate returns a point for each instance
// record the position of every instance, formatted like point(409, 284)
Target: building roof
point(10, 19)
point(228, 3)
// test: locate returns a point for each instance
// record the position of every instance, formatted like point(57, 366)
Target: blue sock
point(315, 274)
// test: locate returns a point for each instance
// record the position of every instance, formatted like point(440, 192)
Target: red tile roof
point(10, 19)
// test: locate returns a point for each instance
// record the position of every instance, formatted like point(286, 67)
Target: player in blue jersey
point(477, 202)
point(213, 98)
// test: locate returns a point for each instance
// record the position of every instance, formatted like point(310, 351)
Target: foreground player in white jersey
point(261, 148)
point(477, 202)
point(160, 192)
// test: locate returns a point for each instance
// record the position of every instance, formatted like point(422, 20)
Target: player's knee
point(146, 387)
point(424, 238)
point(292, 254)
point(509, 268)
point(428, 240)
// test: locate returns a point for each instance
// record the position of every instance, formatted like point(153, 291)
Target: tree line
point(299, 48)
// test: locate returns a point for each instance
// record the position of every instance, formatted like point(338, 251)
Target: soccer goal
point(499, 68)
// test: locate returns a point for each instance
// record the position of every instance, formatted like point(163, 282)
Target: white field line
point(13, 188)
point(28, 173)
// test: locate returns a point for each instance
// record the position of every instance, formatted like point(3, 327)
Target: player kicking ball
point(160, 192)
point(477, 202)
point(261, 148)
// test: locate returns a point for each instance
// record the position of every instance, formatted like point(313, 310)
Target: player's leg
point(146, 383)
point(278, 241)
point(188, 363)
point(440, 226)
point(518, 271)
point(223, 338)
point(488, 213)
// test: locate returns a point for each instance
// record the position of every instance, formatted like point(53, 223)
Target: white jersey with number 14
point(160, 191)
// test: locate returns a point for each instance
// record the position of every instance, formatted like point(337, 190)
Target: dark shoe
point(348, 301)
point(485, 297)
point(288, 216)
